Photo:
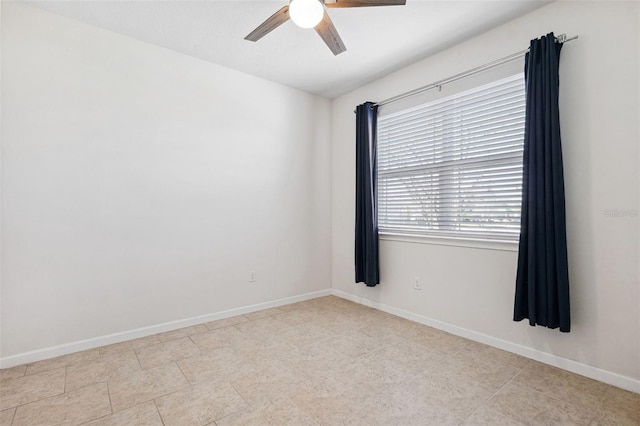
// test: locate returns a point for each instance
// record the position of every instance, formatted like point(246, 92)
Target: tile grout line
point(601, 403)
point(494, 394)
point(561, 399)
point(65, 380)
point(109, 394)
point(139, 363)
point(243, 398)
point(13, 416)
point(158, 411)
point(550, 396)
point(248, 406)
point(40, 399)
point(194, 342)
point(182, 372)
point(93, 420)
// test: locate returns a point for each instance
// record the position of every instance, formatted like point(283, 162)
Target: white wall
point(140, 186)
point(472, 289)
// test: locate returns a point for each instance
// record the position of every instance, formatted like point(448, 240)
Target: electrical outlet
point(252, 276)
point(417, 283)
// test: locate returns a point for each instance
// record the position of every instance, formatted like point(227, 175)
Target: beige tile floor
point(325, 361)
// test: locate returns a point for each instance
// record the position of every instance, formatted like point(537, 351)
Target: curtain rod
point(562, 38)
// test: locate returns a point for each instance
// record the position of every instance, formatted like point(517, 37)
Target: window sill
point(451, 241)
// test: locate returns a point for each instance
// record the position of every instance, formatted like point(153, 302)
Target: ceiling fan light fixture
point(306, 13)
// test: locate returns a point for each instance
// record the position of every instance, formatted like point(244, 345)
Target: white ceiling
point(378, 39)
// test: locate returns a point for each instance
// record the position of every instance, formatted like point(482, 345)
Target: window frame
point(488, 239)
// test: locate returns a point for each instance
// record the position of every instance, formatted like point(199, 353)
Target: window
point(453, 167)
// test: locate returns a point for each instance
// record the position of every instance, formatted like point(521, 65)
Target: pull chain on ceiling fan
point(313, 14)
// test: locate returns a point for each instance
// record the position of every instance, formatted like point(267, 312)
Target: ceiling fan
point(313, 14)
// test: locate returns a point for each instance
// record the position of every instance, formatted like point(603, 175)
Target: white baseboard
point(82, 345)
point(595, 373)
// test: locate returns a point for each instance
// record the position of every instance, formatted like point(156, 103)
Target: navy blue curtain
point(542, 282)
point(366, 253)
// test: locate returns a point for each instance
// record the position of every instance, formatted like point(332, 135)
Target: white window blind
point(453, 167)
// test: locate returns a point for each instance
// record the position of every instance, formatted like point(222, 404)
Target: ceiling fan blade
point(327, 31)
point(363, 3)
point(274, 21)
